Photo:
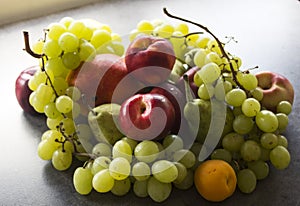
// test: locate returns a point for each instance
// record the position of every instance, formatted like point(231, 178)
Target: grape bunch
point(252, 139)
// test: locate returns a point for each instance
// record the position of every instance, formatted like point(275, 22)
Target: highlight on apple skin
point(276, 88)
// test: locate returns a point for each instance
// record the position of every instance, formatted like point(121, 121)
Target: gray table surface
point(268, 35)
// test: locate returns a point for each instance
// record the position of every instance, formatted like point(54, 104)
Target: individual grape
point(61, 159)
point(141, 171)
point(221, 88)
point(212, 45)
point(199, 58)
point(51, 48)
point(283, 121)
point(266, 121)
point(257, 93)
point(82, 180)
point(284, 107)
point(246, 180)
point(185, 157)
point(182, 172)
point(51, 111)
point(281, 140)
point(60, 85)
point(36, 103)
point(102, 181)
point(237, 111)
point(118, 47)
point(64, 104)
point(121, 187)
point(269, 140)
point(172, 143)
point(116, 37)
point(77, 28)
point(38, 78)
point(55, 30)
point(102, 149)
point(158, 191)
point(183, 28)
point(164, 171)
point(242, 124)
point(54, 123)
point(187, 182)
point(210, 72)
point(221, 154)
point(100, 37)
point(66, 21)
point(140, 188)
point(87, 51)
point(37, 47)
point(100, 163)
point(235, 97)
point(55, 65)
point(132, 143)
point(162, 153)
point(68, 146)
point(73, 92)
point(164, 30)
point(44, 94)
point(192, 39)
point(247, 80)
point(250, 151)
point(67, 125)
point(206, 91)
point(280, 157)
point(119, 168)
point(202, 42)
point(146, 151)
point(71, 60)
point(122, 149)
point(260, 169)
point(197, 79)
point(45, 150)
point(145, 26)
point(213, 57)
point(233, 142)
point(68, 42)
point(251, 107)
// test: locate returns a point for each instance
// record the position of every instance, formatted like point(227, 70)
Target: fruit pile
point(154, 114)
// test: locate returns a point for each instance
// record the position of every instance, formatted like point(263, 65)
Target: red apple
point(146, 117)
point(275, 88)
point(180, 83)
point(97, 80)
point(176, 97)
point(22, 90)
point(150, 59)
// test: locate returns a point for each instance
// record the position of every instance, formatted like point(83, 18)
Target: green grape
point(213, 57)
point(251, 107)
point(44, 93)
point(71, 60)
point(80, 149)
point(182, 172)
point(284, 107)
point(183, 28)
point(141, 171)
point(37, 47)
point(45, 150)
point(158, 191)
point(233, 142)
point(64, 104)
point(221, 154)
point(265, 154)
point(60, 85)
point(36, 104)
point(282, 140)
point(164, 171)
point(121, 187)
point(269, 140)
point(55, 30)
point(237, 111)
point(78, 28)
point(118, 47)
point(68, 146)
point(82, 180)
point(100, 37)
point(202, 42)
point(102, 149)
point(161, 154)
point(280, 157)
point(51, 48)
point(52, 137)
point(146, 151)
point(54, 123)
point(171, 144)
point(73, 92)
point(145, 26)
point(199, 58)
point(75, 112)
point(68, 42)
point(197, 79)
point(283, 121)
point(51, 111)
point(66, 21)
point(100, 163)
point(185, 157)
point(132, 143)
point(206, 91)
point(192, 39)
point(119, 168)
point(122, 149)
point(187, 182)
point(242, 124)
point(257, 93)
point(87, 51)
point(266, 121)
point(196, 148)
point(61, 159)
point(235, 97)
point(140, 188)
point(210, 72)
point(116, 37)
point(221, 88)
point(55, 65)
point(246, 180)
point(102, 181)
point(212, 45)
point(250, 151)
point(260, 169)
point(38, 78)
point(164, 30)
point(68, 125)
point(248, 81)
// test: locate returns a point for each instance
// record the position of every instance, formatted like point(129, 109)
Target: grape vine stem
point(220, 44)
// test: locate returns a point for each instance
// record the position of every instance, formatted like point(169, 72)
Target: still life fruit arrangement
point(171, 109)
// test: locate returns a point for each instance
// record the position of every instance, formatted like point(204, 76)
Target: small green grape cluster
point(150, 168)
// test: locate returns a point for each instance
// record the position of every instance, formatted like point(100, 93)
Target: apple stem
point(188, 92)
point(220, 44)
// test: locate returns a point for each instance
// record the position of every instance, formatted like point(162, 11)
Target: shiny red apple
point(146, 117)
point(150, 59)
point(275, 88)
point(22, 90)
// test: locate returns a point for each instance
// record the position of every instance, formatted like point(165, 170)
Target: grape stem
point(220, 44)
point(27, 46)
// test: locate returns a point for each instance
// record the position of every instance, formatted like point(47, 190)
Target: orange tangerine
point(215, 180)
